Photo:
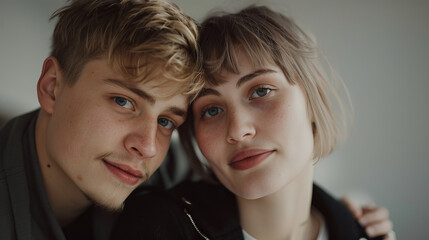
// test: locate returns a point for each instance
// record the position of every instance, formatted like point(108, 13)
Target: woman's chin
point(255, 190)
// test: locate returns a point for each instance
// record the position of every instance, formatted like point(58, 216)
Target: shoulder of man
point(15, 217)
point(11, 144)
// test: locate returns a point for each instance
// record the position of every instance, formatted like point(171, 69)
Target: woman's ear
point(49, 83)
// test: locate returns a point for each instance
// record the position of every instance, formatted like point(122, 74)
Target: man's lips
point(124, 172)
point(249, 158)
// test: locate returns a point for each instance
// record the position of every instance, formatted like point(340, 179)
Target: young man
point(117, 83)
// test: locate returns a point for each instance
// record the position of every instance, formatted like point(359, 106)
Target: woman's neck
point(285, 214)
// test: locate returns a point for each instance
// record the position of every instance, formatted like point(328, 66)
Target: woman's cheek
point(209, 141)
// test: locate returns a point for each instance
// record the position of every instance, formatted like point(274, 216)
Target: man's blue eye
point(165, 123)
point(211, 112)
point(123, 102)
point(260, 92)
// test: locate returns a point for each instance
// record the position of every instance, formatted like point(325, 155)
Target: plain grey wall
point(380, 49)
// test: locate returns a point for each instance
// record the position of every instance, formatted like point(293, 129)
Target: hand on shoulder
point(375, 219)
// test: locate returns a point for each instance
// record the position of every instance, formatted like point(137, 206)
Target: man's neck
point(284, 214)
point(67, 201)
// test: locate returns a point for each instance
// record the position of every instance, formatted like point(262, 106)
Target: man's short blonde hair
point(139, 39)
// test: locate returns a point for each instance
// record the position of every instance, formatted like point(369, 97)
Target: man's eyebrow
point(131, 88)
point(252, 75)
point(177, 111)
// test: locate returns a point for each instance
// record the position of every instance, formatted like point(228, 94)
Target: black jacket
point(199, 210)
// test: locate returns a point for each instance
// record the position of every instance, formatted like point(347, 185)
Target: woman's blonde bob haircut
point(141, 39)
point(268, 37)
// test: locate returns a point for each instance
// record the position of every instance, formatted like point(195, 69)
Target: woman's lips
point(124, 172)
point(247, 159)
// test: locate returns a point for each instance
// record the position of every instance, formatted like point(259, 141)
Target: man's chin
point(110, 203)
point(110, 207)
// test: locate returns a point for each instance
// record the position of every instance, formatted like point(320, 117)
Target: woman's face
point(254, 130)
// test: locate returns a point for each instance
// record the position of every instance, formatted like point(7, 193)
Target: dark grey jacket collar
point(16, 224)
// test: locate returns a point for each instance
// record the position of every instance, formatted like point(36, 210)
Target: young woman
point(264, 118)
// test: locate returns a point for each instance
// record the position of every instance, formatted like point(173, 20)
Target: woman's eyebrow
point(207, 91)
point(252, 75)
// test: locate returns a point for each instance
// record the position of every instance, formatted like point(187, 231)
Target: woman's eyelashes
point(123, 102)
point(260, 92)
point(210, 112)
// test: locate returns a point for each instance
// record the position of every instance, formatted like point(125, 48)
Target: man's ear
point(49, 83)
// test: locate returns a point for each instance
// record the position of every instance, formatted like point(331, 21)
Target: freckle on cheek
point(49, 165)
point(79, 177)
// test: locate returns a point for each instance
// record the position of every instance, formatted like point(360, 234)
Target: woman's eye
point(211, 112)
point(166, 123)
point(260, 92)
point(123, 102)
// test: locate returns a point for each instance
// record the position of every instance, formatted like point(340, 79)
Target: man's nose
point(141, 141)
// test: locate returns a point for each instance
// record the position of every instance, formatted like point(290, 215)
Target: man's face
point(108, 134)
